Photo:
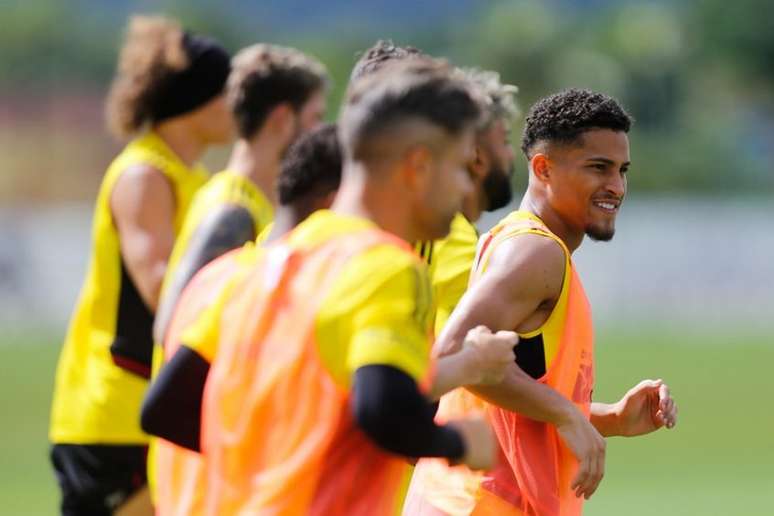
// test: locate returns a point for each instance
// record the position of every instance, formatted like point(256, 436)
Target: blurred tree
point(698, 76)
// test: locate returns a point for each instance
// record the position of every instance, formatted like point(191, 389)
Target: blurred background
point(685, 291)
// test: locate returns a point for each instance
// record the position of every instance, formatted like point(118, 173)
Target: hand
point(588, 446)
point(488, 355)
point(479, 439)
point(645, 408)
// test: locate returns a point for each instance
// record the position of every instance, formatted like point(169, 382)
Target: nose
point(617, 184)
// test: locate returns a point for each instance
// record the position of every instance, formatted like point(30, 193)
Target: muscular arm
point(523, 273)
point(143, 208)
point(225, 228)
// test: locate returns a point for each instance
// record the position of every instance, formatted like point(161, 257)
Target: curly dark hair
point(381, 53)
point(153, 50)
point(564, 116)
point(312, 166)
point(264, 76)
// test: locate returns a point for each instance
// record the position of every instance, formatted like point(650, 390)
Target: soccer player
point(276, 94)
point(310, 175)
point(451, 258)
point(168, 96)
point(550, 434)
point(323, 343)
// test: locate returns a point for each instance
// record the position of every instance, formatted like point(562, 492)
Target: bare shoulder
point(141, 187)
point(530, 262)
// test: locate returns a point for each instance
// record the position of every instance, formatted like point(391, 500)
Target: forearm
point(451, 371)
point(605, 418)
point(172, 406)
point(518, 392)
point(389, 408)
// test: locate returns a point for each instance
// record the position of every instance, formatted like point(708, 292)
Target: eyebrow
point(608, 161)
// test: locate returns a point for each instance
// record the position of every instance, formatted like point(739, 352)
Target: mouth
point(610, 206)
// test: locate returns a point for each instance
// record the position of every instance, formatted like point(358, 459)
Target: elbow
point(150, 420)
point(372, 421)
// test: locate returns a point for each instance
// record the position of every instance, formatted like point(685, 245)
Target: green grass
point(27, 484)
point(718, 461)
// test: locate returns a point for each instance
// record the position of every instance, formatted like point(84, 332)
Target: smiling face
point(586, 181)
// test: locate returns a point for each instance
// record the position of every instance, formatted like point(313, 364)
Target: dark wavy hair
point(264, 76)
point(563, 117)
point(152, 50)
point(381, 53)
point(312, 166)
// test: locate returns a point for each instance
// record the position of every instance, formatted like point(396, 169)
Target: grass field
point(718, 461)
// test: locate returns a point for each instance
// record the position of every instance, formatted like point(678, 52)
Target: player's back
point(277, 430)
point(225, 189)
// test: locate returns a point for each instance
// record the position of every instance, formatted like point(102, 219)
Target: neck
point(183, 143)
point(285, 219)
point(259, 161)
point(539, 205)
point(473, 205)
point(369, 196)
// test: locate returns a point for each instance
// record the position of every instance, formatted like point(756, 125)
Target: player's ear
point(282, 119)
point(540, 167)
point(479, 163)
point(417, 167)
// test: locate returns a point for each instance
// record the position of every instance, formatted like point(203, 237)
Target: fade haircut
point(563, 117)
point(417, 90)
point(312, 166)
point(499, 97)
point(382, 53)
point(264, 76)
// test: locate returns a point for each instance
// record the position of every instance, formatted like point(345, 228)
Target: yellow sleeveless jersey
point(377, 311)
point(224, 188)
point(537, 349)
point(96, 401)
point(534, 467)
point(449, 262)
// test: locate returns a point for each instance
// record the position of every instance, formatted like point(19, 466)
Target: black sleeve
point(173, 404)
point(389, 408)
point(224, 229)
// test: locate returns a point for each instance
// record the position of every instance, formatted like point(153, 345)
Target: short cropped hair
point(563, 117)
point(312, 166)
point(424, 89)
point(499, 97)
point(264, 76)
point(383, 52)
